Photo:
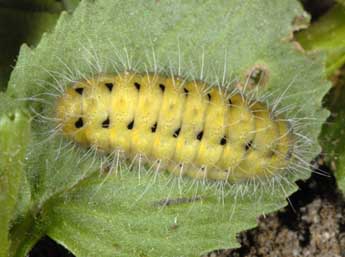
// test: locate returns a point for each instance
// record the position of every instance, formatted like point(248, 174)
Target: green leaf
point(332, 137)
point(51, 6)
point(99, 214)
point(70, 5)
point(14, 138)
point(341, 2)
point(327, 35)
point(18, 26)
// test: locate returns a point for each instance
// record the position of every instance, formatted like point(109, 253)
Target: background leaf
point(70, 5)
point(22, 22)
point(98, 214)
point(327, 35)
point(341, 2)
point(332, 136)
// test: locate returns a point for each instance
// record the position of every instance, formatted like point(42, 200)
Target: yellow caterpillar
point(204, 130)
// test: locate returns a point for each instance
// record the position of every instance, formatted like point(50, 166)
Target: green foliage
point(95, 214)
point(51, 6)
point(327, 35)
point(70, 5)
point(14, 138)
point(341, 2)
point(20, 23)
point(333, 133)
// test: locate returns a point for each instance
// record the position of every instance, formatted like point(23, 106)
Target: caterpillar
point(190, 127)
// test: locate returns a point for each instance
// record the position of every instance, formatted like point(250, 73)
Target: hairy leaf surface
point(100, 214)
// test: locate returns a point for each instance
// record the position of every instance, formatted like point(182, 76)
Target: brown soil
point(313, 227)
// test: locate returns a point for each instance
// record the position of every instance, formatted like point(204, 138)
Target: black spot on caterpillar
point(177, 132)
point(162, 87)
point(109, 86)
point(210, 132)
point(106, 123)
point(130, 125)
point(79, 123)
point(199, 136)
point(154, 127)
point(79, 90)
point(137, 85)
point(223, 140)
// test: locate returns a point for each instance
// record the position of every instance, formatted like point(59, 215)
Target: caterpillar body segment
point(195, 130)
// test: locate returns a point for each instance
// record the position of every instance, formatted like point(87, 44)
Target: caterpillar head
point(270, 151)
